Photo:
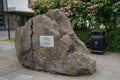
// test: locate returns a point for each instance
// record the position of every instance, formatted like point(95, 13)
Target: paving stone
point(23, 77)
point(100, 75)
point(115, 78)
point(1, 78)
point(115, 75)
point(4, 34)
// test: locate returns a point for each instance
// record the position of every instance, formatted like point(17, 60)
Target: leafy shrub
point(114, 40)
point(88, 14)
point(84, 13)
point(84, 35)
point(78, 11)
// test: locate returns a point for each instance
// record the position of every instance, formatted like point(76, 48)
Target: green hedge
point(82, 12)
point(84, 35)
point(112, 39)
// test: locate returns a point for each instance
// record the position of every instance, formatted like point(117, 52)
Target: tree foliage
point(84, 13)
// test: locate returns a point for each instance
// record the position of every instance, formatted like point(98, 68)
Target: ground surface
point(4, 34)
point(108, 66)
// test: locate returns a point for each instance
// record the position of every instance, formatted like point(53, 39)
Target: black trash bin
point(98, 41)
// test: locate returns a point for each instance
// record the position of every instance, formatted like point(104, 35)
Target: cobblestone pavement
point(108, 66)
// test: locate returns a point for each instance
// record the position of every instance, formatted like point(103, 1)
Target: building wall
point(18, 16)
point(32, 2)
point(13, 21)
point(18, 20)
point(19, 5)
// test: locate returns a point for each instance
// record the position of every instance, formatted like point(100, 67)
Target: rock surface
point(69, 54)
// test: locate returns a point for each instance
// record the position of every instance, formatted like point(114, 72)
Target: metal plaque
point(47, 41)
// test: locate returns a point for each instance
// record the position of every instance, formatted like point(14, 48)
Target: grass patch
point(9, 40)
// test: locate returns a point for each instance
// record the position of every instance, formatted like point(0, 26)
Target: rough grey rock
point(69, 54)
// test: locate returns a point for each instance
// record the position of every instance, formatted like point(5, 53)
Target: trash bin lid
point(98, 32)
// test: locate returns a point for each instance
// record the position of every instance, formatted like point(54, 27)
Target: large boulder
point(48, 43)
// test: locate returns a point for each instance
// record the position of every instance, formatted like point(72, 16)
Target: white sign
point(47, 41)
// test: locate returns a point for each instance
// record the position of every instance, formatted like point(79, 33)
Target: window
point(1, 6)
point(20, 20)
point(29, 2)
point(1, 21)
point(1, 15)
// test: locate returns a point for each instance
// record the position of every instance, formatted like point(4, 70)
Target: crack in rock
point(31, 36)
